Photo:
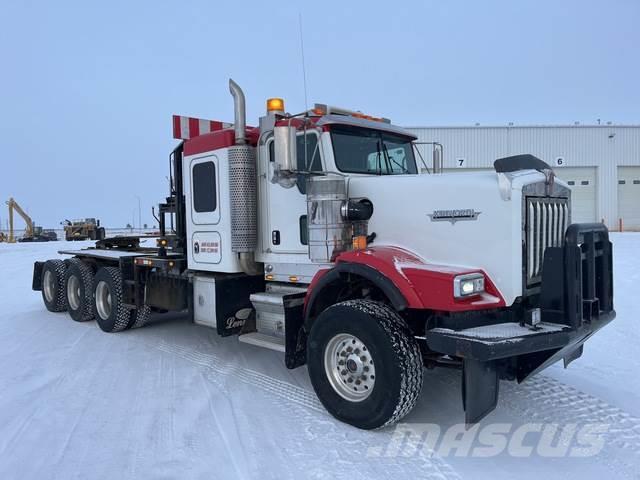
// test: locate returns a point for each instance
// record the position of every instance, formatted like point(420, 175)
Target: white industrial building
point(601, 163)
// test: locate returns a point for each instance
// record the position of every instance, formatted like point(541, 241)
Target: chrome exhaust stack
point(243, 189)
point(239, 113)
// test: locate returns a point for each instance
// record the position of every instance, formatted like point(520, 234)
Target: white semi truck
point(325, 236)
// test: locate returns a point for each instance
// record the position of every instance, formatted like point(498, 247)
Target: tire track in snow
point(550, 400)
point(51, 387)
point(433, 467)
point(238, 467)
point(277, 387)
point(543, 399)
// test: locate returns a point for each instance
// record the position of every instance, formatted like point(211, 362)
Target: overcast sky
point(87, 89)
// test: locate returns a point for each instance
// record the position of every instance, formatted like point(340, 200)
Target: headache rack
point(547, 220)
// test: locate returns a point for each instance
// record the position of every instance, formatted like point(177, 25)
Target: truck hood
point(469, 220)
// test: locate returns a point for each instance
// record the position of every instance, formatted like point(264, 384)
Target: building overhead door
point(582, 181)
point(629, 197)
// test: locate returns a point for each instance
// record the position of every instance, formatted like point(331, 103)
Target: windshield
point(363, 150)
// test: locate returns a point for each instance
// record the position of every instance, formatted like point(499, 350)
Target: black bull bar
point(576, 300)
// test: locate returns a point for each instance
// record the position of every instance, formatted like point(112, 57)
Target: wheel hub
point(349, 367)
point(73, 292)
point(354, 364)
point(103, 300)
point(49, 286)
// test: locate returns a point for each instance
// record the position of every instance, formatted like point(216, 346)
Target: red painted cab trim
point(423, 285)
point(217, 140)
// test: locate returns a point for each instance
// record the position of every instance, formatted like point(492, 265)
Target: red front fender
point(421, 285)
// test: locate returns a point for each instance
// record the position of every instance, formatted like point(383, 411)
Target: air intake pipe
point(243, 190)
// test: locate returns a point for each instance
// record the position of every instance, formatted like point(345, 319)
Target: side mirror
point(286, 156)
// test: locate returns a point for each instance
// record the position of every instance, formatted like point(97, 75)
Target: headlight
point(468, 284)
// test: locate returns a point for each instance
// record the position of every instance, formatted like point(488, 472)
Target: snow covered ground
point(174, 401)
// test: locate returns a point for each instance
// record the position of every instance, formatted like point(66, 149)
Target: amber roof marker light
point(275, 105)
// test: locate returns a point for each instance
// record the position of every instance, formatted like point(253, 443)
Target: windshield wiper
point(390, 158)
point(378, 163)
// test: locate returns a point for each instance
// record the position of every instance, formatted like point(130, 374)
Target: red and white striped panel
point(185, 128)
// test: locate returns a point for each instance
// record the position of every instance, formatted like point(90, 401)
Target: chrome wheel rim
point(49, 285)
point(349, 367)
point(103, 300)
point(73, 292)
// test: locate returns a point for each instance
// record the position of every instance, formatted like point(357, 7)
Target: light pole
point(139, 213)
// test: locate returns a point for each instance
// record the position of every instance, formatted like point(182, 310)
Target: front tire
point(350, 343)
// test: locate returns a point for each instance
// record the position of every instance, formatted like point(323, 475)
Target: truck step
point(285, 288)
point(262, 340)
point(271, 307)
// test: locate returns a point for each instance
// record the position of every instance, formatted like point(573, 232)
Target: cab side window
point(308, 158)
point(204, 187)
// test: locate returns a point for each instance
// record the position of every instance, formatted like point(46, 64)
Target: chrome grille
point(547, 221)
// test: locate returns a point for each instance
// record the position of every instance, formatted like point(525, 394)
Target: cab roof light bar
point(322, 109)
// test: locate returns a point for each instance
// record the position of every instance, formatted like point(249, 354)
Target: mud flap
point(295, 335)
point(576, 354)
point(480, 386)
point(36, 283)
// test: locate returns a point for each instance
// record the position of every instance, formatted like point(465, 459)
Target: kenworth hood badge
point(453, 215)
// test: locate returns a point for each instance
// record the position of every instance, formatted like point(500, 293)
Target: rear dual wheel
point(79, 290)
point(53, 288)
point(71, 286)
point(109, 309)
point(68, 286)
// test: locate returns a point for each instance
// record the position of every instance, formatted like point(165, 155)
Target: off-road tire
point(84, 274)
point(398, 362)
point(141, 316)
point(56, 268)
point(119, 317)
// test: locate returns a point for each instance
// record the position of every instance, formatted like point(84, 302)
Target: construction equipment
point(83, 229)
point(32, 232)
point(318, 235)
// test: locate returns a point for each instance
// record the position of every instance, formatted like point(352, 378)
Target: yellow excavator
point(32, 233)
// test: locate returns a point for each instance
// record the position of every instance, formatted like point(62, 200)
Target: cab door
point(287, 207)
point(203, 219)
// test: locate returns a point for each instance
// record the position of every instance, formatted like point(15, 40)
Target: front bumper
point(576, 300)
point(504, 340)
